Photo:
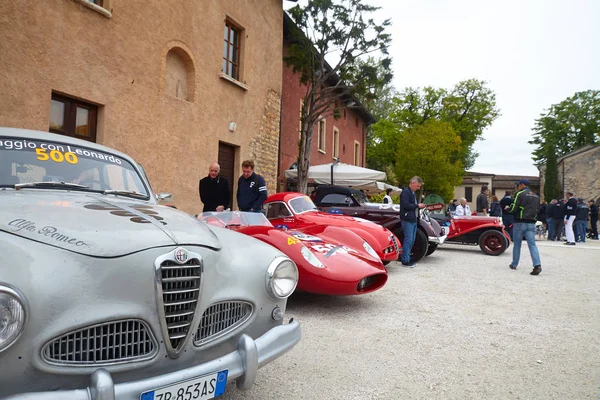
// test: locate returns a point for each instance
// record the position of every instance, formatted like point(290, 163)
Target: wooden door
point(227, 163)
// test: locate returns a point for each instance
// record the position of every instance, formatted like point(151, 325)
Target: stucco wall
point(292, 94)
point(119, 63)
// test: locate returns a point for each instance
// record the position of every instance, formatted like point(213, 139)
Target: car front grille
point(108, 343)
point(180, 292)
point(221, 318)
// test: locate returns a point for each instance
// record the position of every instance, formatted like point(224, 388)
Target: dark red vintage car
point(297, 211)
point(330, 260)
point(487, 232)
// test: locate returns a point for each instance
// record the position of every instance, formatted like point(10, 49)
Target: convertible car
point(104, 294)
point(487, 232)
point(297, 211)
point(331, 260)
point(348, 201)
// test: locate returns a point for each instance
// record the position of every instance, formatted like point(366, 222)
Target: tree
point(469, 107)
point(567, 126)
point(426, 150)
point(551, 187)
point(337, 30)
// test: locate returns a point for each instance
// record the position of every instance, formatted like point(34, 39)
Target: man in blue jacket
point(252, 189)
point(409, 214)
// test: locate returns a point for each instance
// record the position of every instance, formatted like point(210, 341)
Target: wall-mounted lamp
point(232, 126)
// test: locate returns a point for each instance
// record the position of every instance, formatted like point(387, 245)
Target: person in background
point(387, 199)
point(558, 215)
point(581, 220)
point(214, 190)
point(463, 208)
point(252, 189)
point(525, 207)
point(409, 215)
point(570, 209)
point(542, 215)
point(550, 219)
point(452, 207)
point(482, 202)
point(507, 218)
point(593, 218)
point(495, 207)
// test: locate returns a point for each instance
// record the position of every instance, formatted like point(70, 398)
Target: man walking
point(570, 209)
point(482, 202)
point(252, 189)
point(525, 207)
point(409, 214)
point(593, 219)
point(581, 220)
point(507, 218)
point(214, 190)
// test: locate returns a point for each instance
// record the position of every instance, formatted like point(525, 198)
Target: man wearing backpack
point(252, 189)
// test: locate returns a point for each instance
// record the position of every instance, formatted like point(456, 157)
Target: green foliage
point(469, 108)
point(378, 198)
point(567, 126)
point(551, 187)
point(340, 30)
point(426, 150)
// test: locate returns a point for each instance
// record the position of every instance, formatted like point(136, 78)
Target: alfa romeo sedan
point(104, 294)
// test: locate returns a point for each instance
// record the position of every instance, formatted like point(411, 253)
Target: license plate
point(204, 387)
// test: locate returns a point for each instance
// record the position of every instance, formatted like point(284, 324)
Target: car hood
point(98, 225)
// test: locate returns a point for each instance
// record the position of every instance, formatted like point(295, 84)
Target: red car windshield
point(29, 161)
point(302, 204)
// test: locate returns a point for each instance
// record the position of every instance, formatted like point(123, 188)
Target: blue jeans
point(550, 233)
point(524, 230)
point(410, 233)
point(580, 228)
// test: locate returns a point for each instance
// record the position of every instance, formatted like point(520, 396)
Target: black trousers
point(594, 223)
point(559, 226)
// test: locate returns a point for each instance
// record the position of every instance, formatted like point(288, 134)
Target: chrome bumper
point(241, 364)
point(438, 240)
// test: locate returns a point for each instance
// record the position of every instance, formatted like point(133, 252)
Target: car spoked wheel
point(420, 247)
point(492, 243)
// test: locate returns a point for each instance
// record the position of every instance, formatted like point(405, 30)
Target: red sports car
point(487, 232)
point(330, 260)
point(297, 211)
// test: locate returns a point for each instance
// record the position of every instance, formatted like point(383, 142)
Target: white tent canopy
point(346, 175)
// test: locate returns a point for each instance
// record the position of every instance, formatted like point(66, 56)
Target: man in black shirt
point(507, 218)
point(214, 190)
point(483, 206)
point(558, 215)
point(570, 208)
point(594, 218)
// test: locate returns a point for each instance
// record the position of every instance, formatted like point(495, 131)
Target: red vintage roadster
point(487, 232)
point(330, 260)
point(297, 211)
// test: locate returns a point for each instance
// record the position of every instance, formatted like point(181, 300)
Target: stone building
point(578, 172)
point(175, 84)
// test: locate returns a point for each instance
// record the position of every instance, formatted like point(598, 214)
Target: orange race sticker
point(56, 156)
point(293, 240)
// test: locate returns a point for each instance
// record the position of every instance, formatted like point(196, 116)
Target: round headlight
point(13, 316)
point(311, 258)
point(282, 278)
point(370, 250)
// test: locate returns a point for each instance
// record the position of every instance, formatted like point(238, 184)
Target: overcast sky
point(532, 53)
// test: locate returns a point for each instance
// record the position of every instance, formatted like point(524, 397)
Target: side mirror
point(163, 196)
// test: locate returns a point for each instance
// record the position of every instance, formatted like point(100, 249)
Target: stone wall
point(580, 174)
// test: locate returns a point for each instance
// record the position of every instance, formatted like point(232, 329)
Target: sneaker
point(536, 270)
point(409, 264)
point(512, 266)
point(570, 243)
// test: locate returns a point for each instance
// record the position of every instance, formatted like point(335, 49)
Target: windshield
point(302, 204)
point(234, 218)
point(25, 161)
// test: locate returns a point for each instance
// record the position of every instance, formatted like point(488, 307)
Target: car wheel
point(432, 247)
point(420, 247)
point(492, 243)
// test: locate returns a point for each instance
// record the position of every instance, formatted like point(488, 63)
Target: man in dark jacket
point(593, 218)
point(581, 220)
point(550, 219)
point(482, 203)
point(570, 209)
point(525, 207)
point(214, 190)
point(507, 218)
point(558, 215)
point(409, 214)
point(252, 189)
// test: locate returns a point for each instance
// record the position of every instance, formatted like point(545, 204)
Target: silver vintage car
point(105, 294)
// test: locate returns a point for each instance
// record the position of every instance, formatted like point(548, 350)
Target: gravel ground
point(461, 325)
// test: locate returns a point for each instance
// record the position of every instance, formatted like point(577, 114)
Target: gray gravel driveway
point(461, 325)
